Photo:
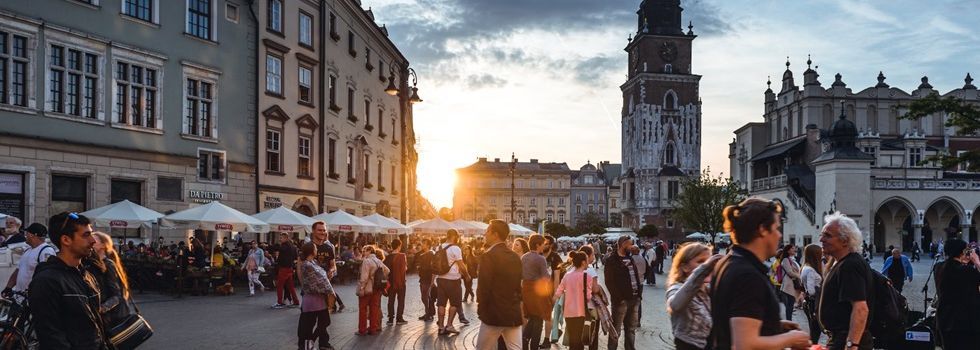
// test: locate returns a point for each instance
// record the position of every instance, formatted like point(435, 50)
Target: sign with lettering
point(205, 196)
point(284, 228)
point(392, 231)
point(223, 227)
point(271, 202)
point(346, 228)
point(918, 336)
point(118, 223)
point(11, 183)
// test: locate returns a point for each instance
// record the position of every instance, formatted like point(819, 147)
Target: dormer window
point(669, 154)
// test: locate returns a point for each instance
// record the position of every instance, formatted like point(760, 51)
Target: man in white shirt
point(650, 255)
point(449, 285)
point(39, 252)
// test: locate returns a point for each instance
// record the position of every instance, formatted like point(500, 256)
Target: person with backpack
point(958, 312)
point(448, 266)
point(846, 296)
point(812, 277)
point(39, 252)
point(423, 264)
point(374, 279)
point(744, 305)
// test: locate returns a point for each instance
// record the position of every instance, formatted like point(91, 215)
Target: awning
point(778, 150)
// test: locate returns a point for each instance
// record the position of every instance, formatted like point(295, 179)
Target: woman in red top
point(398, 264)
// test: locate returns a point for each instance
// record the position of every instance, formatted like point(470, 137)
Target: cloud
point(484, 80)
point(592, 71)
point(867, 12)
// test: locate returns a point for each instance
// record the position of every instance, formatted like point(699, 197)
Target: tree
point(557, 230)
point(702, 199)
point(960, 114)
point(591, 222)
point(648, 230)
point(446, 214)
point(615, 220)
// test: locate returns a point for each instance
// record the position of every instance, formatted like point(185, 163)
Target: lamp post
point(513, 204)
point(411, 99)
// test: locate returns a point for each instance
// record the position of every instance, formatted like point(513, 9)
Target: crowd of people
point(532, 293)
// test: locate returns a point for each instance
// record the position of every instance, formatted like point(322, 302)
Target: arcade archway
point(893, 225)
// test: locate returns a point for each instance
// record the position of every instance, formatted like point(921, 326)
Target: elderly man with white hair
point(848, 285)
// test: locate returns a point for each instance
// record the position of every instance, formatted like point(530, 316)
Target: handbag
point(588, 326)
point(131, 332)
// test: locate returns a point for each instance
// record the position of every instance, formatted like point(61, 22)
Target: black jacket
point(64, 304)
point(115, 306)
point(498, 295)
point(618, 279)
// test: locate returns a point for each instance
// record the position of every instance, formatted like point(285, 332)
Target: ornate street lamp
point(393, 90)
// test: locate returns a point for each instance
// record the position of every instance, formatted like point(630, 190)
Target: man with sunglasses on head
point(39, 252)
point(64, 298)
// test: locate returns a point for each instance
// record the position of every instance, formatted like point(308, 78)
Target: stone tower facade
point(661, 125)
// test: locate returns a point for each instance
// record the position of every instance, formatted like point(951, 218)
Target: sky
point(541, 78)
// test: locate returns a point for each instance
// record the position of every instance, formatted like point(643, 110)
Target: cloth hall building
point(822, 149)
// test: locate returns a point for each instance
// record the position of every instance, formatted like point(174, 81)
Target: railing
point(801, 204)
point(926, 184)
point(768, 183)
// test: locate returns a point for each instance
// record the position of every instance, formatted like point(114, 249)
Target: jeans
point(810, 309)
point(532, 332)
point(428, 297)
point(284, 282)
point(313, 325)
point(394, 294)
point(489, 336)
point(573, 330)
point(369, 309)
point(253, 279)
point(625, 317)
point(788, 302)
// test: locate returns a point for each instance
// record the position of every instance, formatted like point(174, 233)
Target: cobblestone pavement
point(240, 322)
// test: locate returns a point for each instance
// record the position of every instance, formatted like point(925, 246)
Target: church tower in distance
point(661, 135)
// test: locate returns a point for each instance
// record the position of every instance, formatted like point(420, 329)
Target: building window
point(350, 44)
point(13, 69)
point(199, 18)
point(963, 166)
point(305, 84)
point(350, 104)
point(211, 165)
point(578, 209)
point(533, 201)
point(305, 157)
point(393, 177)
point(673, 187)
point(366, 168)
point(381, 124)
point(333, 27)
point(332, 158)
point(669, 154)
point(561, 218)
point(670, 223)
point(231, 12)
point(74, 82)
point(872, 151)
point(367, 59)
point(136, 95)
point(547, 201)
point(350, 164)
point(170, 189)
point(332, 87)
point(142, 9)
point(550, 216)
point(612, 203)
point(367, 113)
point(915, 156)
point(274, 16)
point(561, 201)
point(380, 172)
point(273, 150)
point(120, 190)
point(198, 118)
point(273, 74)
point(394, 130)
point(69, 193)
point(305, 29)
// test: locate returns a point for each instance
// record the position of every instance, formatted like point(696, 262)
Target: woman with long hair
point(106, 265)
point(575, 286)
point(812, 276)
point(520, 246)
point(687, 297)
point(791, 277)
point(369, 297)
point(314, 316)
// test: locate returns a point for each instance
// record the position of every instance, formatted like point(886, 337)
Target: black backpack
point(889, 310)
point(380, 279)
point(440, 263)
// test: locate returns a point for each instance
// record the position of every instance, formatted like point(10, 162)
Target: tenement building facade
point(332, 137)
point(823, 149)
point(484, 190)
point(661, 123)
point(589, 193)
point(105, 100)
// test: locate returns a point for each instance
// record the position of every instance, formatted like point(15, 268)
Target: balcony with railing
point(769, 183)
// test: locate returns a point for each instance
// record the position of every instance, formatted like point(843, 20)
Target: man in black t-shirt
point(625, 293)
point(845, 297)
point(744, 305)
point(326, 257)
point(423, 264)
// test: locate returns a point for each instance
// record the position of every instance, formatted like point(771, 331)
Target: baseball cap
point(37, 230)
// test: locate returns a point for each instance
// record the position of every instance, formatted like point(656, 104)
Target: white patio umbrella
point(283, 219)
point(214, 216)
point(480, 224)
point(697, 235)
point(388, 225)
point(123, 214)
point(435, 226)
point(343, 221)
point(519, 230)
point(467, 228)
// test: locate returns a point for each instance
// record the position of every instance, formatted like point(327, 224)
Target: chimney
point(482, 159)
point(496, 160)
point(534, 161)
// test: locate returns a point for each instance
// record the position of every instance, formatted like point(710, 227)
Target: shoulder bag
point(131, 332)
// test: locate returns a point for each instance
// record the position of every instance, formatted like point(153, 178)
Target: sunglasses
point(70, 216)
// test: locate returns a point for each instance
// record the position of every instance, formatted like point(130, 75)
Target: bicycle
point(16, 332)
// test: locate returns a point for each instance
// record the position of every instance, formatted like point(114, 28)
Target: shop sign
point(223, 227)
point(272, 202)
point(205, 196)
point(11, 183)
point(118, 223)
point(284, 228)
point(391, 230)
point(346, 228)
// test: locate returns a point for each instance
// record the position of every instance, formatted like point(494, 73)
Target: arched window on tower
point(670, 100)
point(668, 68)
point(669, 154)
